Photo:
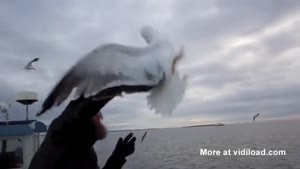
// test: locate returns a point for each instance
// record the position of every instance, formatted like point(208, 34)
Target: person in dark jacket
point(70, 138)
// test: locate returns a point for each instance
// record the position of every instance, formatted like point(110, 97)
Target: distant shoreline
point(202, 125)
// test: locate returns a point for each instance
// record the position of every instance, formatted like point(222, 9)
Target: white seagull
point(29, 65)
point(111, 69)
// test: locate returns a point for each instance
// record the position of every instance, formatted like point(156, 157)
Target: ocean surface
point(180, 148)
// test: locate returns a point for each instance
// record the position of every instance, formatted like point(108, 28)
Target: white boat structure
point(19, 140)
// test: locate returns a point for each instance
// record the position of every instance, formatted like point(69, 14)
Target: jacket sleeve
point(114, 162)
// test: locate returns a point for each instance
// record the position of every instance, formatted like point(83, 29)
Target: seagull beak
point(177, 58)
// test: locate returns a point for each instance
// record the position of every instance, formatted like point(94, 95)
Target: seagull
point(4, 107)
point(254, 117)
point(145, 134)
point(29, 65)
point(111, 69)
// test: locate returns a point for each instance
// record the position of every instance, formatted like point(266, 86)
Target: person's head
point(87, 112)
point(100, 129)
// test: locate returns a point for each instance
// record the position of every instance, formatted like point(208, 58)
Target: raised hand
point(125, 147)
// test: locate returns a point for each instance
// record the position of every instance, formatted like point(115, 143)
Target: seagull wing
point(254, 117)
point(29, 64)
point(114, 67)
point(143, 137)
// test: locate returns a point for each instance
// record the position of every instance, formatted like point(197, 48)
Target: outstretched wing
point(254, 117)
point(29, 64)
point(114, 67)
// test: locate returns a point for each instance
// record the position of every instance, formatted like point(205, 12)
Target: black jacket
point(69, 144)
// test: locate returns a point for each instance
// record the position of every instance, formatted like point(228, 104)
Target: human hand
point(125, 147)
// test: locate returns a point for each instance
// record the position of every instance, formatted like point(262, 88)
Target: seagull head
point(167, 56)
point(149, 34)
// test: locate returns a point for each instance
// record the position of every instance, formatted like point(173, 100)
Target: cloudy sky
point(242, 56)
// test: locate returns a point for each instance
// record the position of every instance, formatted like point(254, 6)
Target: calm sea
point(180, 148)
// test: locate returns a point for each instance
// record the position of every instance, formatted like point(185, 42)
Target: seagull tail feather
point(165, 98)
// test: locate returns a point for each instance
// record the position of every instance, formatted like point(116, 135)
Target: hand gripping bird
point(111, 69)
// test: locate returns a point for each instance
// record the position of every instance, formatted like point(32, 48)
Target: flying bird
point(29, 65)
point(4, 107)
point(111, 69)
point(254, 117)
point(145, 134)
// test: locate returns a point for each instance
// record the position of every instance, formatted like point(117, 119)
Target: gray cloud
point(241, 56)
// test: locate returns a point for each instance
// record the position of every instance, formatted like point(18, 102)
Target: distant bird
point(145, 134)
point(111, 69)
point(4, 107)
point(254, 117)
point(29, 65)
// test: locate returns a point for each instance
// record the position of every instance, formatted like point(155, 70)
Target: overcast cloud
point(241, 56)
